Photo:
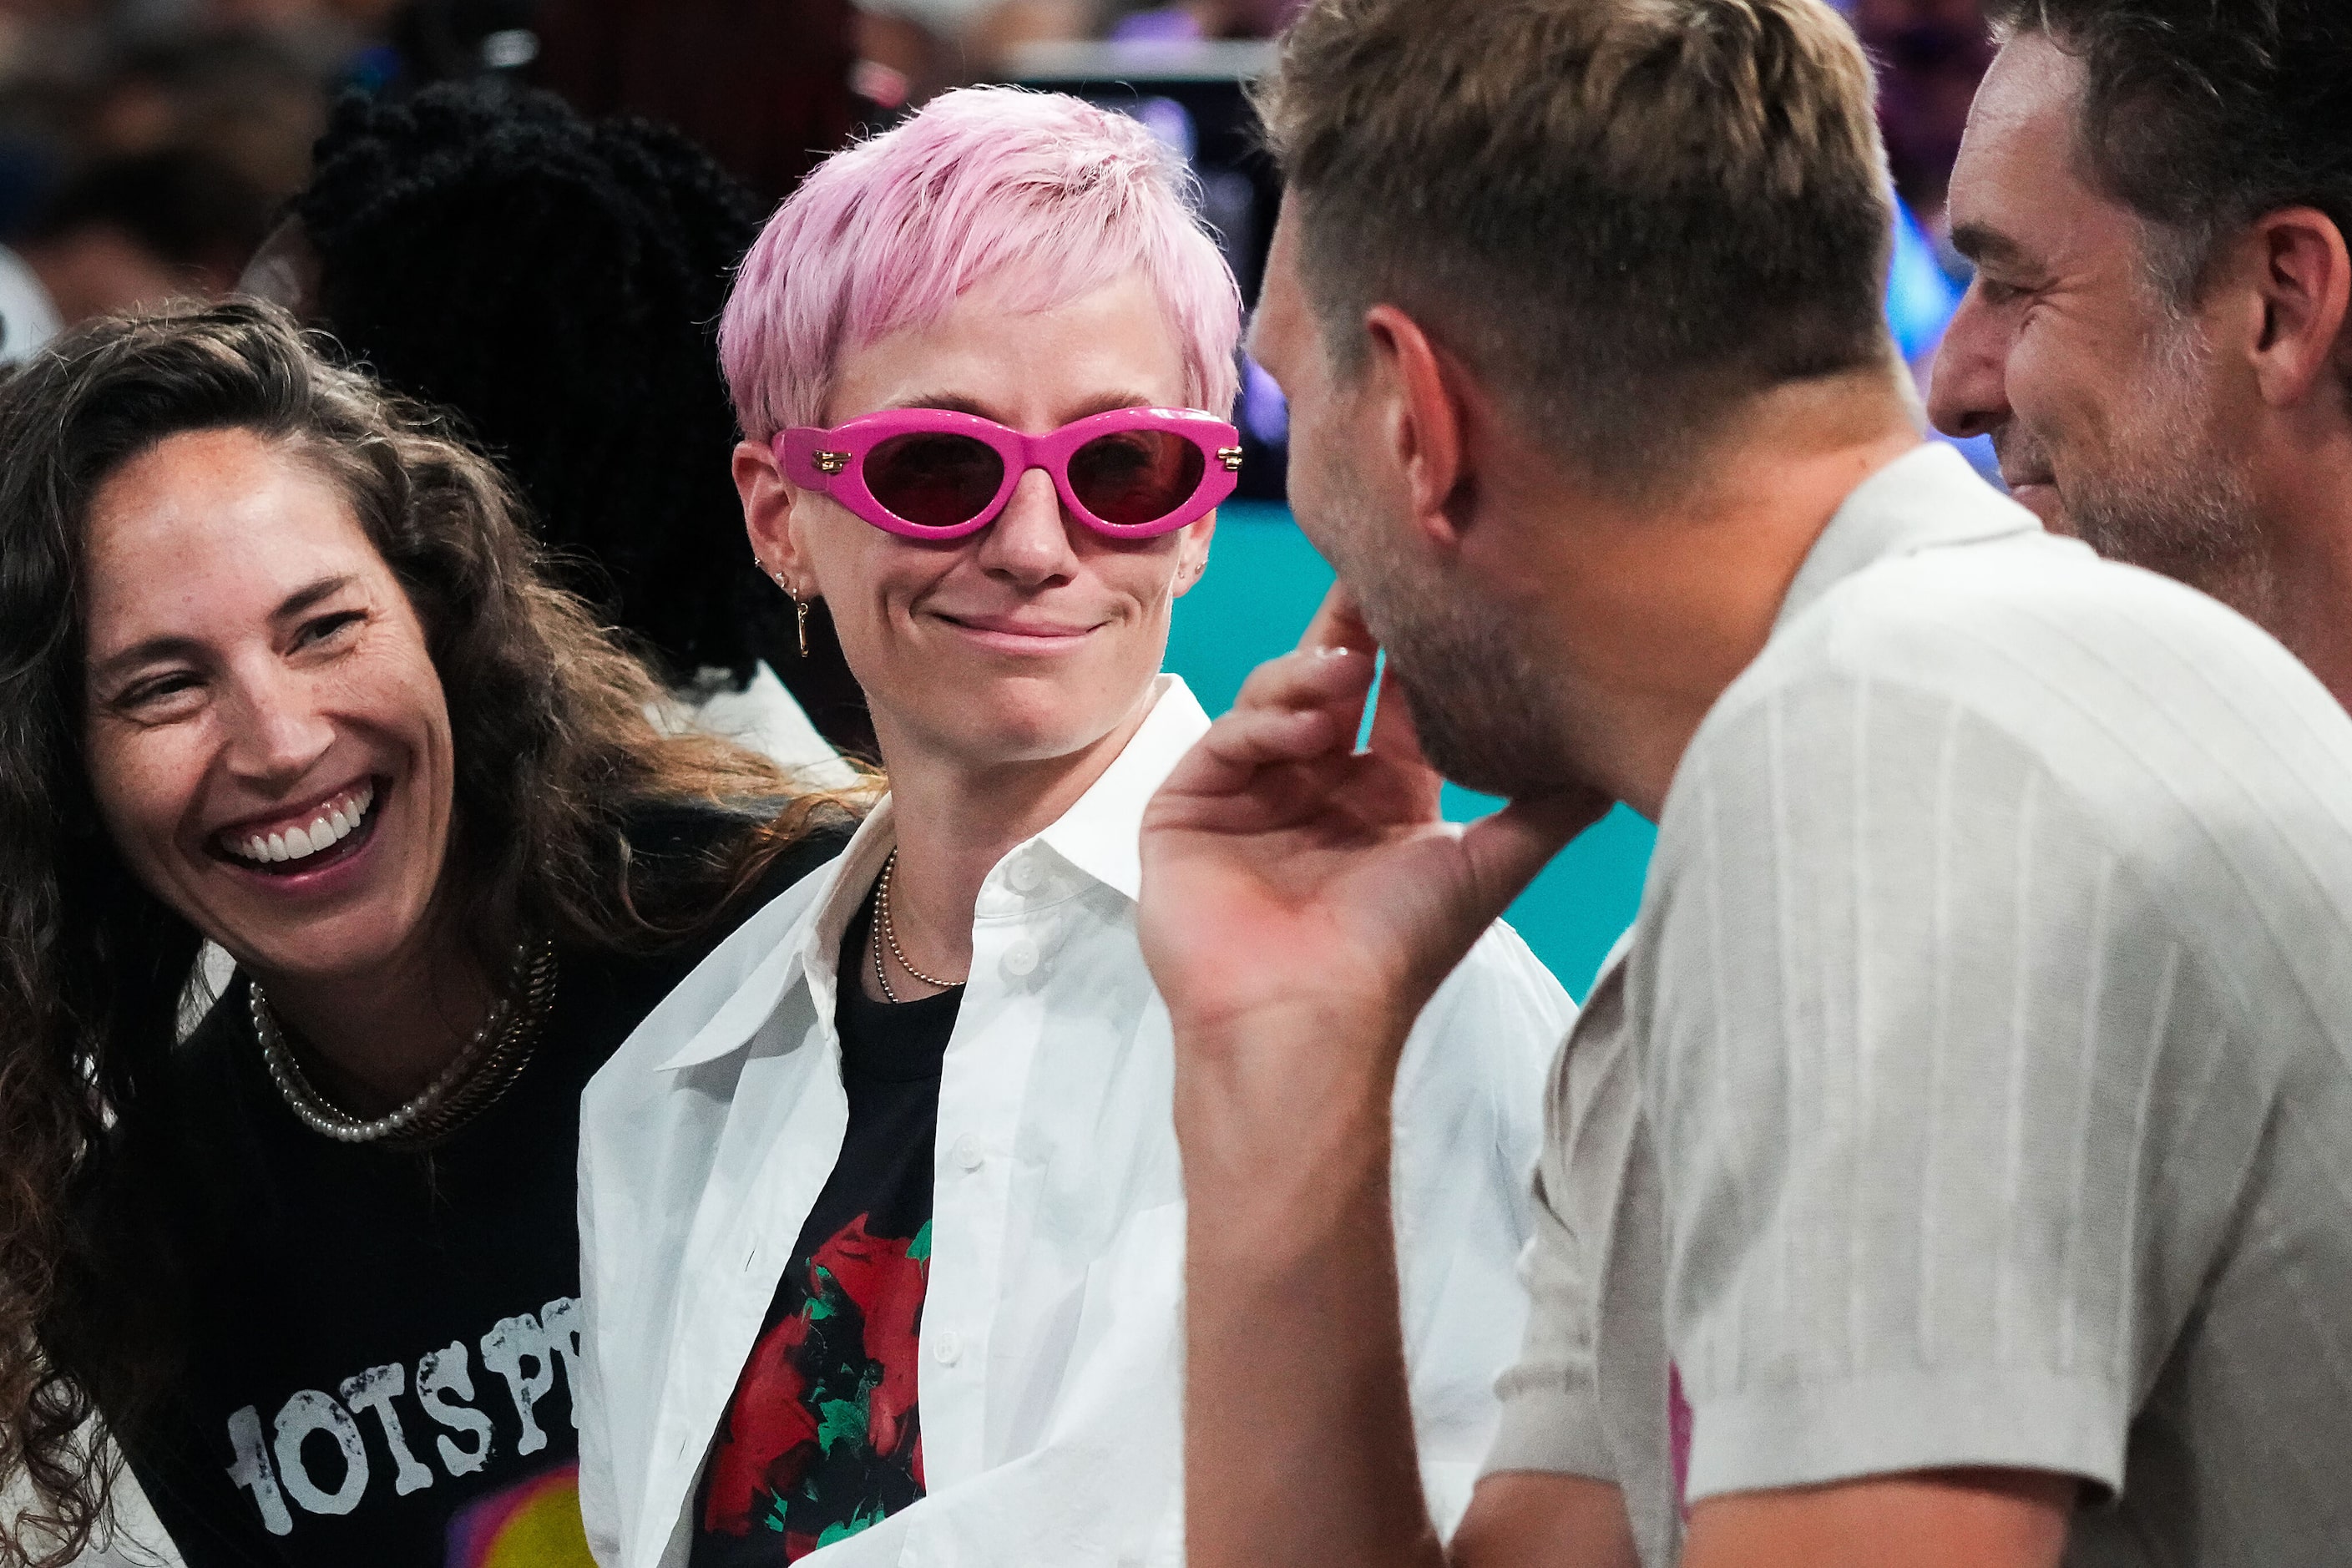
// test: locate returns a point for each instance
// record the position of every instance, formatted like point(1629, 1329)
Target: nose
point(1967, 393)
point(277, 731)
point(1029, 542)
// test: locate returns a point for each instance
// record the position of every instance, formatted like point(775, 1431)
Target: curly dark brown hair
point(555, 754)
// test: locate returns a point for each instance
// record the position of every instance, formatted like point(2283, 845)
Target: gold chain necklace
point(890, 938)
point(473, 1081)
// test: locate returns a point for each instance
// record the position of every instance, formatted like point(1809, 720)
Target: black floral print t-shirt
point(823, 1438)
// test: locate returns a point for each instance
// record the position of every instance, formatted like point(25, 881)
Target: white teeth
point(336, 823)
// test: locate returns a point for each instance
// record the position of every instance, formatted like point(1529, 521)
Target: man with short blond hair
point(1956, 1137)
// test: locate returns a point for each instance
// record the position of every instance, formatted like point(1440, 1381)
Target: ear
point(1192, 554)
point(2302, 279)
point(768, 517)
point(1428, 419)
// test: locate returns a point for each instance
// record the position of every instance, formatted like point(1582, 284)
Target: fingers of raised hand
point(1339, 623)
point(1256, 737)
point(1335, 678)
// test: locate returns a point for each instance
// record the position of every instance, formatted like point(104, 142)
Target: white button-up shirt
point(1051, 1382)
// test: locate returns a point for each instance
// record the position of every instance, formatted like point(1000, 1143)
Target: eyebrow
point(950, 403)
point(156, 651)
point(1985, 244)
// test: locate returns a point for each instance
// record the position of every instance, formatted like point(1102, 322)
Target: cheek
point(1148, 589)
point(395, 688)
point(144, 782)
point(2062, 381)
point(872, 595)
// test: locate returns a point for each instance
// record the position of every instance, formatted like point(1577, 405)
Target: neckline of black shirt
point(891, 1042)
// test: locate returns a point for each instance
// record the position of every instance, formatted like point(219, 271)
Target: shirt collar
point(739, 986)
point(1098, 835)
point(1927, 498)
point(1102, 834)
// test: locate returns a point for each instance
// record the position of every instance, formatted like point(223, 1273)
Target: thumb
point(1507, 850)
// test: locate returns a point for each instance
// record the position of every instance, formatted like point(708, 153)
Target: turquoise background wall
point(1263, 586)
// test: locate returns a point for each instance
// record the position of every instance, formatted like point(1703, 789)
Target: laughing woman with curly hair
point(280, 668)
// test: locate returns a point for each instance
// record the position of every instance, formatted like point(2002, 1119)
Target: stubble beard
point(1483, 711)
point(2172, 498)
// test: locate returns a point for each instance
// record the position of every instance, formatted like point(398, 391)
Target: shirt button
point(948, 1347)
point(967, 1153)
point(1023, 875)
point(1021, 959)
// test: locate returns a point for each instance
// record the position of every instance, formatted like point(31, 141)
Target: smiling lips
point(329, 826)
point(1013, 625)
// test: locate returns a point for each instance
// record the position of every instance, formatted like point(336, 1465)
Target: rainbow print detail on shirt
point(535, 1525)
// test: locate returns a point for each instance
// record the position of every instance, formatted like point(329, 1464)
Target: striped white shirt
point(1975, 1086)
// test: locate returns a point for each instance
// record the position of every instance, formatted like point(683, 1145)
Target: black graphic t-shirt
point(823, 1437)
point(379, 1347)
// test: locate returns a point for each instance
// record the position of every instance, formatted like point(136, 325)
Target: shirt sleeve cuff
point(1550, 1423)
point(1918, 1419)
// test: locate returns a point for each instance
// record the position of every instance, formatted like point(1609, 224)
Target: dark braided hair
point(557, 282)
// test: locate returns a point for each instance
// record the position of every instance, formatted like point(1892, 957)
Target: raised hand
point(1301, 902)
point(1287, 875)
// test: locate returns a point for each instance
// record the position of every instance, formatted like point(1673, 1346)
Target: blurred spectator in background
point(108, 82)
point(130, 233)
point(764, 84)
point(558, 283)
point(1144, 21)
point(930, 44)
point(27, 319)
point(1930, 56)
point(921, 47)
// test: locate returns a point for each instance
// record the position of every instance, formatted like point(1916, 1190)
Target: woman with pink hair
point(881, 1210)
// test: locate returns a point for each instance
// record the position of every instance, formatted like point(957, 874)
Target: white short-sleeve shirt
point(1973, 1087)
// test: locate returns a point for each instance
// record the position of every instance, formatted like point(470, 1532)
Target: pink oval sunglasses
point(928, 473)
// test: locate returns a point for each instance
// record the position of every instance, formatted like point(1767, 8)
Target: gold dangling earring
point(800, 610)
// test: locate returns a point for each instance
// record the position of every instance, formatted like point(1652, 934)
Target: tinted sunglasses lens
point(1131, 478)
point(934, 480)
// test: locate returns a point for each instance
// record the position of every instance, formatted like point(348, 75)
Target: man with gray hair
point(1955, 1148)
point(2157, 196)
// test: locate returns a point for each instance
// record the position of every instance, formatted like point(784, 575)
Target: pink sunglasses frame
point(832, 463)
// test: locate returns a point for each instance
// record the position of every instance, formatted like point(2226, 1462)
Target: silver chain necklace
point(890, 938)
point(474, 1079)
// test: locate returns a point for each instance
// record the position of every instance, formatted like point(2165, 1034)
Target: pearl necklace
point(891, 938)
point(474, 1079)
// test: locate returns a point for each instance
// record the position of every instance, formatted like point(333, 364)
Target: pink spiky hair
point(1039, 193)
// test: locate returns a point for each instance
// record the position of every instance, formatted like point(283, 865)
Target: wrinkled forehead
point(208, 532)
